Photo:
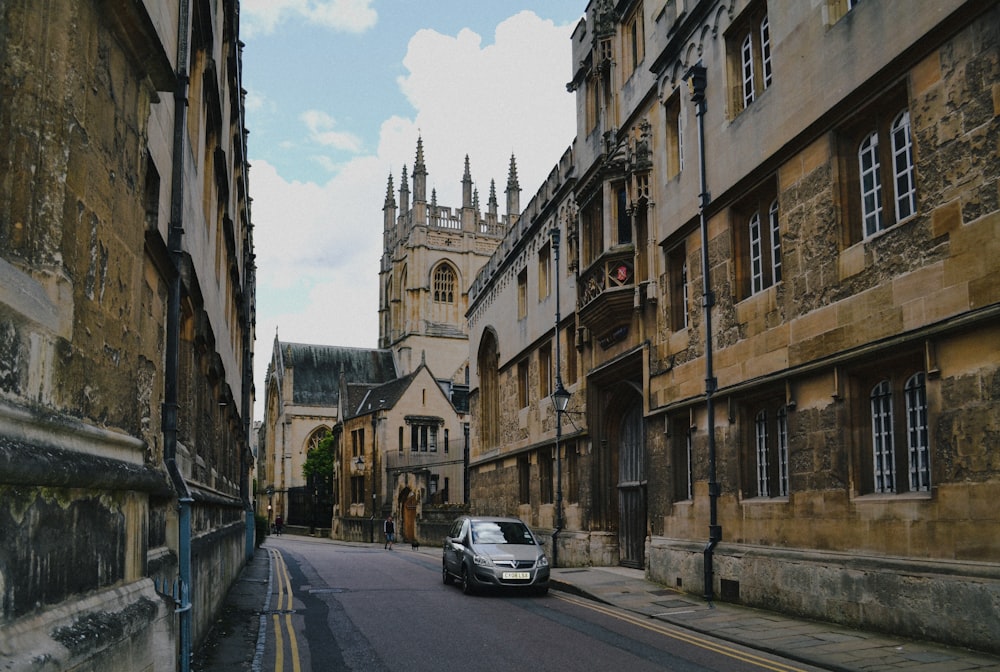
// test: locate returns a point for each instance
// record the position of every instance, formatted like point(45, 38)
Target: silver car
point(487, 552)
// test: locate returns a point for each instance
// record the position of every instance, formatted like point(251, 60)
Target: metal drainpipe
point(170, 405)
point(249, 294)
point(696, 77)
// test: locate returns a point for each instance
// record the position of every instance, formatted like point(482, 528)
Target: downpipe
point(171, 374)
point(696, 79)
point(555, 546)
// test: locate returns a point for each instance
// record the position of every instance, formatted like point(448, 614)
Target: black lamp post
point(560, 399)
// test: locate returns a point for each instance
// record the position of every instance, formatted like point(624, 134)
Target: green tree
point(319, 462)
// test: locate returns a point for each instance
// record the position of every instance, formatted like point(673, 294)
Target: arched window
point(444, 284)
point(314, 439)
point(870, 169)
point(902, 166)
point(489, 392)
point(882, 439)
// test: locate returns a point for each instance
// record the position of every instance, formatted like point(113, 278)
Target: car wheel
point(467, 586)
point(542, 591)
point(446, 577)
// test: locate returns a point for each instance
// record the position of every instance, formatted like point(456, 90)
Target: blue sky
point(338, 92)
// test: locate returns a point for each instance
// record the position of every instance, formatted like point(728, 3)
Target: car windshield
point(491, 532)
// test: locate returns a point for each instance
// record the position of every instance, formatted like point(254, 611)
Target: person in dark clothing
point(389, 528)
point(278, 524)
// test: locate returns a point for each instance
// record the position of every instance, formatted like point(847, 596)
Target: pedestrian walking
point(389, 528)
point(278, 523)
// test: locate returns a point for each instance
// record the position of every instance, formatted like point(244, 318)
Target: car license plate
point(514, 576)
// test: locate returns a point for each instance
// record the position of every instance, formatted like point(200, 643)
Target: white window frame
point(870, 182)
point(746, 69)
point(765, 50)
point(902, 166)
point(690, 465)
point(782, 418)
point(918, 443)
point(760, 443)
point(883, 447)
point(684, 291)
point(772, 216)
point(756, 254)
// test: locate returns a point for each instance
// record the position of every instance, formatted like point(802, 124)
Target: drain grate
point(325, 591)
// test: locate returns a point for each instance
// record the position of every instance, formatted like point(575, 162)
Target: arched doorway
point(408, 513)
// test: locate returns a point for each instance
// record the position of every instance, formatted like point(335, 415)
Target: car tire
point(467, 586)
point(446, 577)
point(542, 591)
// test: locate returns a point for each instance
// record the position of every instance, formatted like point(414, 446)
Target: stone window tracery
point(444, 284)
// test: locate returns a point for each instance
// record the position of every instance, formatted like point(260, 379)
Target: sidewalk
point(234, 641)
point(813, 642)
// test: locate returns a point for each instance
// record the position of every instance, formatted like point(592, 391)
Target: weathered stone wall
point(87, 513)
point(952, 602)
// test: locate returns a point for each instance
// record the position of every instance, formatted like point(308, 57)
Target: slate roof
point(366, 399)
point(317, 370)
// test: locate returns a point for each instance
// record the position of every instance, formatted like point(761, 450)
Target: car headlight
point(482, 560)
point(542, 562)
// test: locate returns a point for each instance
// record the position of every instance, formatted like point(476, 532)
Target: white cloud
point(491, 102)
point(263, 16)
point(321, 125)
point(318, 244)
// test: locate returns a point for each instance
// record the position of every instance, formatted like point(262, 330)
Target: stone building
point(307, 398)
point(778, 311)
point(126, 330)
point(403, 453)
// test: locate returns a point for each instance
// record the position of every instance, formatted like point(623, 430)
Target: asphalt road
point(339, 607)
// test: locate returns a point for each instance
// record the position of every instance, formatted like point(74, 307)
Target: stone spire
point(491, 204)
point(390, 198)
point(420, 174)
point(389, 207)
point(467, 185)
point(475, 200)
point(434, 198)
point(404, 191)
point(513, 191)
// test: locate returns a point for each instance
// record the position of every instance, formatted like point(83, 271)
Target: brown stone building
point(307, 397)
point(126, 330)
point(779, 312)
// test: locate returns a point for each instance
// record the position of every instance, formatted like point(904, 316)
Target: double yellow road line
point(283, 607)
point(683, 635)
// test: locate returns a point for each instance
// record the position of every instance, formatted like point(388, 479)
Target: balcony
point(607, 291)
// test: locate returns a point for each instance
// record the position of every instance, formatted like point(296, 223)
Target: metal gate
point(631, 489)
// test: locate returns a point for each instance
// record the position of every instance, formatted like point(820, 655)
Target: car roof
point(494, 519)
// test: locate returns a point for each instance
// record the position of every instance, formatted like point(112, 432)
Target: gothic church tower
point(430, 255)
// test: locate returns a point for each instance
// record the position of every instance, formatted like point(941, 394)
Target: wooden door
point(631, 489)
point(410, 518)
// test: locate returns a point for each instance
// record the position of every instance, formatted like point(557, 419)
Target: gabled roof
point(379, 397)
point(317, 370)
